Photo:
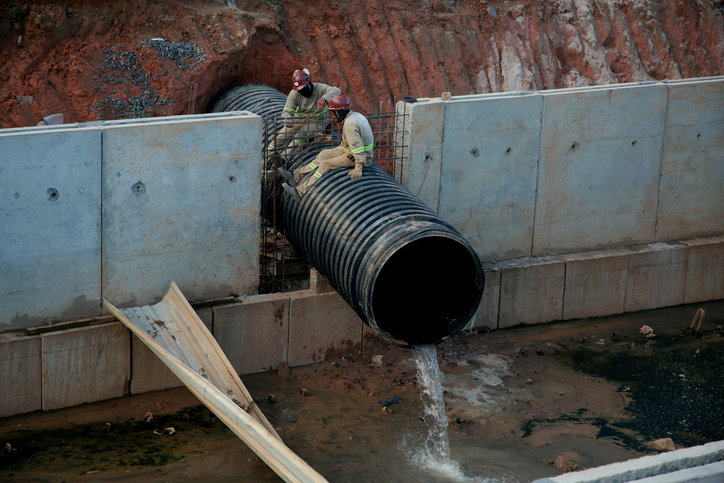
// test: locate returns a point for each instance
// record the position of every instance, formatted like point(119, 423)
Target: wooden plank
point(176, 327)
point(266, 444)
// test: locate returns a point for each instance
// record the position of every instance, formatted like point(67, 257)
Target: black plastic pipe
point(406, 272)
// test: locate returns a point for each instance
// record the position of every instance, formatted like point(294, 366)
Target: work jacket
point(307, 108)
point(357, 138)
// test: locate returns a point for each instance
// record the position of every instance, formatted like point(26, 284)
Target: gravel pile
point(123, 67)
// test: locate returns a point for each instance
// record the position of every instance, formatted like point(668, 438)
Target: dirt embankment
point(142, 58)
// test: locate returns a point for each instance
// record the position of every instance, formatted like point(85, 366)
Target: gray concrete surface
point(691, 196)
point(119, 209)
point(489, 172)
point(50, 225)
point(654, 468)
point(180, 203)
point(612, 166)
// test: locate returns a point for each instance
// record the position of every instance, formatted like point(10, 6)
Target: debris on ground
point(664, 444)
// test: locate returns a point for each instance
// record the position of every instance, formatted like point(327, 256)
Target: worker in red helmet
point(305, 112)
point(355, 151)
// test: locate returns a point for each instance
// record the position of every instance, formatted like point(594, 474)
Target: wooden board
point(173, 331)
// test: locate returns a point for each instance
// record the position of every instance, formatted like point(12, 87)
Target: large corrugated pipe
point(405, 271)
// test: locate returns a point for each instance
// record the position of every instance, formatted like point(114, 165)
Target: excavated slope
point(142, 58)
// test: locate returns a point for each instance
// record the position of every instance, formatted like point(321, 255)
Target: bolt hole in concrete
point(53, 194)
point(507, 151)
point(574, 147)
point(138, 188)
point(475, 152)
point(232, 178)
point(595, 390)
point(633, 143)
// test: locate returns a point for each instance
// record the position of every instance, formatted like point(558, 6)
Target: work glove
point(322, 102)
point(289, 123)
point(356, 172)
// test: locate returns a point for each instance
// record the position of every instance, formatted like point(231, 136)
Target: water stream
point(434, 454)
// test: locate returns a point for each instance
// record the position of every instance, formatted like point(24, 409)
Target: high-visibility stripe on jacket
point(357, 138)
point(301, 107)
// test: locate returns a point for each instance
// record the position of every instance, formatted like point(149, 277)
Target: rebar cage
point(281, 267)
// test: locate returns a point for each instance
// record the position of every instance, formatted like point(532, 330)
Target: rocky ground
point(522, 404)
point(141, 58)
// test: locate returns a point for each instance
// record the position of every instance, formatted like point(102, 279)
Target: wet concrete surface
point(580, 394)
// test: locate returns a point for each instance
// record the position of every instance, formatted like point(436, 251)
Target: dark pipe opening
point(427, 290)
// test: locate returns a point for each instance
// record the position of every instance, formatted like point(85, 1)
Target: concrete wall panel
point(254, 334)
point(321, 326)
point(85, 365)
point(599, 168)
point(20, 375)
point(421, 171)
point(692, 173)
point(180, 203)
point(148, 372)
point(705, 270)
point(489, 169)
point(50, 230)
point(656, 277)
point(531, 291)
point(487, 316)
point(595, 283)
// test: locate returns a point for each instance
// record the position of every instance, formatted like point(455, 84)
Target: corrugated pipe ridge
point(405, 271)
point(252, 97)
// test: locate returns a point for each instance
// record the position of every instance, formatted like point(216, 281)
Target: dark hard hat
point(300, 78)
point(339, 102)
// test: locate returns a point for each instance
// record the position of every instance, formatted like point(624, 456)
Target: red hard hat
point(300, 78)
point(339, 102)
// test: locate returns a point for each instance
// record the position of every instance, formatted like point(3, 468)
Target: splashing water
point(435, 452)
point(434, 455)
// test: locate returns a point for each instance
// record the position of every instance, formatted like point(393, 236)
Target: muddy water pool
point(591, 392)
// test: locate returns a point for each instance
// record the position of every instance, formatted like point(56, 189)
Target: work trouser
point(326, 161)
point(291, 138)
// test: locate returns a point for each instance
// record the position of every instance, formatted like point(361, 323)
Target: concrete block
point(84, 365)
point(489, 172)
point(254, 334)
point(487, 316)
point(656, 276)
point(148, 372)
point(595, 283)
point(207, 317)
point(711, 473)
point(599, 168)
point(705, 270)
point(641, 469)
point(180, 203)
point(50, 194)
point(321, 326)
point(691, 201)
point(20, 374)
point(317, 282)
point(371, 341)
point(531, 291)
point(421, 170)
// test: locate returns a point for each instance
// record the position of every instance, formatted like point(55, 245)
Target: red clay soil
point(142, 58)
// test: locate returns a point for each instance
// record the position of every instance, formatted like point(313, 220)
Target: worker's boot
point(292, 191)
point(288, 177)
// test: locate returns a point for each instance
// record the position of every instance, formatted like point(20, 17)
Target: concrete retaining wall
point(259, 332)
point(120, 209)
point(530, 174)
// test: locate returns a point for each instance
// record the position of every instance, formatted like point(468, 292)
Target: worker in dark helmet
point(305, 112)
point(355, 151)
